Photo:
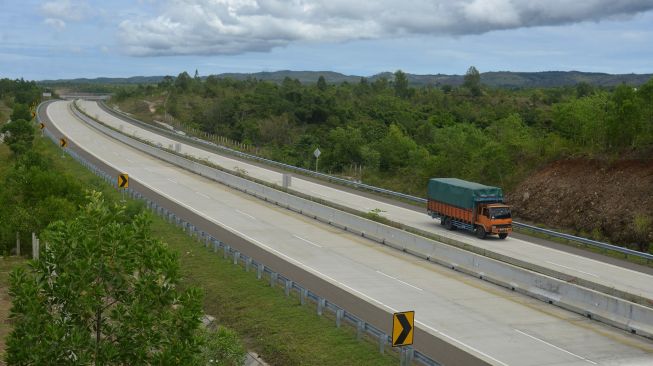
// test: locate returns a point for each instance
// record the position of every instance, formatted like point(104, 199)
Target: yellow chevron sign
point(123, 180)
point(63, 142)
point(403, 328)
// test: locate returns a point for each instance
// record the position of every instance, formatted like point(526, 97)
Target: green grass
point(277, 327)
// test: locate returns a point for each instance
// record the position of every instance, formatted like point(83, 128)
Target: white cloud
point(57, 13)
point(57, 24)
point(238, 26)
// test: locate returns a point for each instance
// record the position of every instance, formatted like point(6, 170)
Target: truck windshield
point(500, 213)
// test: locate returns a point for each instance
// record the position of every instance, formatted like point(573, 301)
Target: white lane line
point(308, 241)
point(246, 214)
point(573, 269)
point(461, 343)
point(398, 280)
point(203, 195)
point(172, 180)
point(554, 346)
point(130, 160)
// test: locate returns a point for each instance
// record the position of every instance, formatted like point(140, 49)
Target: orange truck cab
point(460, 204)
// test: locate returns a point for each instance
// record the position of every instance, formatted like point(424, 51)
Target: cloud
point(59, 12)
point(57, 24)
point(205, 27)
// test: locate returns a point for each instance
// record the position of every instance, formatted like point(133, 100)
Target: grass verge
point(278, 328)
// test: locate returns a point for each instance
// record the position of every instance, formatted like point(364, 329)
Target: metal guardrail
point(586, 241)
point(407, 354)
point(647, 256)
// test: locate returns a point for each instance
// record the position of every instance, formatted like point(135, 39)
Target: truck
point(475, 207)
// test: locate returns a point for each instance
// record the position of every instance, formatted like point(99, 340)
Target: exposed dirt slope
point(604, 200)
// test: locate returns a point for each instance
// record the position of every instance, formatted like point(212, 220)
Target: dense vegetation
point(403, 135)
point(101, 278)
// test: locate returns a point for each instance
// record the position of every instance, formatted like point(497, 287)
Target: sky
point(62, 39)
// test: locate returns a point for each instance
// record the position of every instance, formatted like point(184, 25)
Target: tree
point(19, 135)
point(473, 81)
point(103, 292)
point(321, 83)
point(21, 111)
point(401, 84)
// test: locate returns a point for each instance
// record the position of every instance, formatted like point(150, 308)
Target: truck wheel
point(443, 221)
point(480, 232)
point(448, 224)
point(503, 235)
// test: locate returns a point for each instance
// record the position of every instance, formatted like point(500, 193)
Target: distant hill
point(500, 79)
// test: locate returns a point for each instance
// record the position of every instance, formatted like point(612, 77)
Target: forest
point(400, 135)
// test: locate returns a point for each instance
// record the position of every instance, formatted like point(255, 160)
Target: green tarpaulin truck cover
point(461, 193)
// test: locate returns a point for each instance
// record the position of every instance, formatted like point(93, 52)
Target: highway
point(492, 323)
point(577, 266)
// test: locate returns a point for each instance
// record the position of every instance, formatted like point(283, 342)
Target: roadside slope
point(600, 199)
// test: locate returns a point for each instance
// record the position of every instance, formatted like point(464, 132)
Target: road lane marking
point(130, 160)
point(554, 346)
point(573, 269)
point(308, 241)
point(461, 343)
point(202, 194)
point(246, 214)
point(398, 280)
point(172, 180)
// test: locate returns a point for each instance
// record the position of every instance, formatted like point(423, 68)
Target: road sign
point(317, 152)
point(63, 142)
point(41, 125)
point(402, 328)
point(123, 180)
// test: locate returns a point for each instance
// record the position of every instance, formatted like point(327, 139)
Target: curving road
point(496, 325)
point(607, 275)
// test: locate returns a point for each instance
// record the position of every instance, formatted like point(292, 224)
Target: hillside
point(612, 201)
point(500, 79)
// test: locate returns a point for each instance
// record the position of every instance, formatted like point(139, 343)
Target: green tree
point(473, 81)
point(19, 135)
point(401, 84)
point(21, 111)
point(103, 292)
point(321, 83)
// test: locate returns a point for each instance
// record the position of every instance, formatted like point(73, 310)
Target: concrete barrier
point(596, 305)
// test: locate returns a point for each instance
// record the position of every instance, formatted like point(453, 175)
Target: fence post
point(273, 278)
point(18, 243)
point(248, 263)
point(360, 327)
point(303, 296)
point(236, 257)
point(383, 338)
point(321, 303)
point(259, 271)
point(339, 315)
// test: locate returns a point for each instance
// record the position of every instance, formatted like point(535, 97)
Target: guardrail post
point(259, 271)
point(321, 303)
point(216, 244)
point(383, 339)
point(225, 252)
point(302, 296)
point(248, 263)
point(273, 278)
point(236, 257)
point(360, 328)
point(339, 315)
point(288, 287)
